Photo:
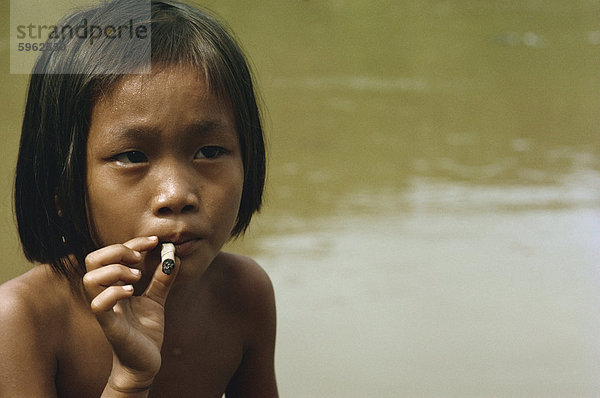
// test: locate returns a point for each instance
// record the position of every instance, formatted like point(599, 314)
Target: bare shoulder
point(246, 290)
point(32, 304)
point(29, 296)
point(250, 291)
point(29, 334)
point(241, 269)
point(245, 281)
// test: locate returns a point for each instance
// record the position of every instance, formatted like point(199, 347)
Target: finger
point(126, 253)
point(107, 299)
point(142, 243)
point(161, 283)
point(99, 279)
point(114, 254)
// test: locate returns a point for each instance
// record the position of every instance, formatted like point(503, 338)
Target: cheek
point(106, 212)
point(237, 188)
point(99, 214)
point(230, 198)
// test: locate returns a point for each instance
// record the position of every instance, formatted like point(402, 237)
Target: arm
point(28, 364)
point(255, 376)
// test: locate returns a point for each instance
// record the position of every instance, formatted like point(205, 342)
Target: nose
point(176, 192)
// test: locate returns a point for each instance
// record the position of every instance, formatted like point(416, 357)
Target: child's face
point(163, 159)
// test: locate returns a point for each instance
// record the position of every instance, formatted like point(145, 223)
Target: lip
point(185, 247)
point(185, 243)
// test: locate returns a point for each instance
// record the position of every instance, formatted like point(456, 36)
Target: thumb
point(161, 283)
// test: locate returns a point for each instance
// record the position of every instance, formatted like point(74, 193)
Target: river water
point(432, 215)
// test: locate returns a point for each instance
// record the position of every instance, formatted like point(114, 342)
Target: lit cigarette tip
point(167, 255)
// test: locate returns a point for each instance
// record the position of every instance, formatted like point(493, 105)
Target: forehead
point(166, 84)
point(166, 99)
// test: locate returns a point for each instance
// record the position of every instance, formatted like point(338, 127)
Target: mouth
point(184, 248)
point(184, 243)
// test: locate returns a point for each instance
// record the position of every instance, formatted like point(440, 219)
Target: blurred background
point(432, 215)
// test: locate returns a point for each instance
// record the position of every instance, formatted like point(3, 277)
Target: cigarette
point(167, 256)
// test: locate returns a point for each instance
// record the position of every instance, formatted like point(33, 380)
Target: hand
point(134, 325)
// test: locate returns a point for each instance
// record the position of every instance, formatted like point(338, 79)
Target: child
point(120, 153)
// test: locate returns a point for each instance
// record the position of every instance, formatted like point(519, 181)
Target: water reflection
point(442, 289)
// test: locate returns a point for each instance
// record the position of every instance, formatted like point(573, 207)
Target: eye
point(131, 157)
point(209, 152)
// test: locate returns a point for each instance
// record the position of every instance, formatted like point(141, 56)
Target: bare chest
point(199, 357)
point(198, 362)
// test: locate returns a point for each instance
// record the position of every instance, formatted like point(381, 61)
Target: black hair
point(50, 186)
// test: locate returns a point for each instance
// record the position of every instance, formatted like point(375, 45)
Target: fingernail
point(137, 254)
point(153, 237)
point(128, 288)
point(135, 271)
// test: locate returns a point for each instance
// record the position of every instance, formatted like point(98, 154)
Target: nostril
point(187, 209)
point(164, 211)
point(176, 201)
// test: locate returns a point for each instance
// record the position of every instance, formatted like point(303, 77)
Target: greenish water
point(432, 222)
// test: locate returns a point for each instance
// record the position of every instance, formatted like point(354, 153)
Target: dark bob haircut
point(50, 186)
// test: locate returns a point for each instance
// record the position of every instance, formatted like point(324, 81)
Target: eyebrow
point(200, 127)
